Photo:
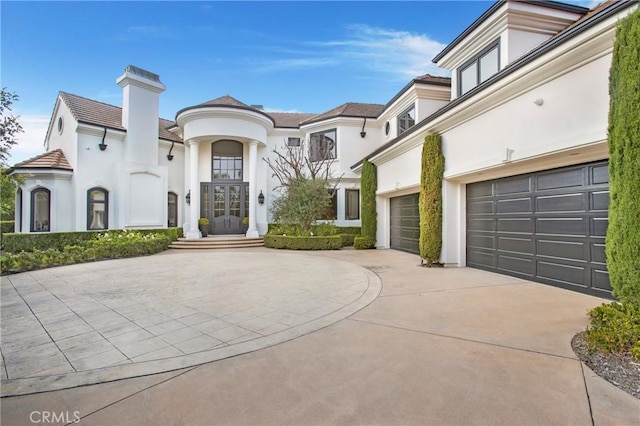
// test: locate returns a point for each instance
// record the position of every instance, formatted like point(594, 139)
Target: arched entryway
point(224, 200)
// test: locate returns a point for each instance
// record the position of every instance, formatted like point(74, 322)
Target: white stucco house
point(523, 120)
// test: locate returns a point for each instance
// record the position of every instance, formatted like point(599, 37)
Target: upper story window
point(406, 120)
point(40, 210)
point(480, 68)
point(323, 145)
point(226, 160)
point(293, 141)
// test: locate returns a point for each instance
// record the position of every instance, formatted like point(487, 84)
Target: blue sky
point(287, 56)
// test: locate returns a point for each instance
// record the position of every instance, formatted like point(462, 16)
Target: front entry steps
point(217, 242)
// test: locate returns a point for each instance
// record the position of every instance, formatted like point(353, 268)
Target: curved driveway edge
point(294, 277)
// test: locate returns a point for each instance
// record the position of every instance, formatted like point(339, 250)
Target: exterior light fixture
point(103, 145)
point(188, 198)
point(363, 133)
point(261, 198)
point(169, 155)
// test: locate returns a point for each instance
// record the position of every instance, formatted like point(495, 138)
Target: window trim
point(346, 204)
point(19, 203)
point(294, 142)
point(106, 207)
point(212, 162)
point(33, 208)
point(476, 60)
point(404, 113)
point(169, 194)
point(335, 144)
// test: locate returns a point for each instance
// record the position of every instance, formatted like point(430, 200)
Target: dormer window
point(480, 68)
point(406, 120)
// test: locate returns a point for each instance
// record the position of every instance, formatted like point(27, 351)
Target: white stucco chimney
point(140, 109)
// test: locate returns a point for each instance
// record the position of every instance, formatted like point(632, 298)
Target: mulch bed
point(620, 369)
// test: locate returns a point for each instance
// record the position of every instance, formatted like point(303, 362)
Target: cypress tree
point(623, 234)
point(369, 186)
point(430, 202)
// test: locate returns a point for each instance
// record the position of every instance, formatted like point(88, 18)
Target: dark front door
point(223, 204)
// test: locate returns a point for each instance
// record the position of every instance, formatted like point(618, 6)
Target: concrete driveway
point(438, 346)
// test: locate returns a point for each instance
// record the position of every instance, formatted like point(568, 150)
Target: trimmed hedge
point(110, 245)
point(333, 242)
point(319, 229)
point(347, 239)
point(615, 327)
point(430, 203)
point(623, 232)
point(368, 188)
point(7, 226)
point(364, 243)
point(16, 243)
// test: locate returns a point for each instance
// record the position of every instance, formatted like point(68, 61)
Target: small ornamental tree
point(368, 187)
point(430, 203)
point(306, 185)
point(623, 233)
point(10, 128)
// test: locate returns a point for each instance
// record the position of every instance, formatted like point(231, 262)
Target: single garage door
point(405, 223)
point(547, 227)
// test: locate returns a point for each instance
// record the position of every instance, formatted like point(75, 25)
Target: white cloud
point(292, 111)
point(399, 53)
point(31, 142)
point(295, 64)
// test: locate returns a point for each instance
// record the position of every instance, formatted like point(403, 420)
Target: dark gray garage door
point(547, 227)
point(405, 223)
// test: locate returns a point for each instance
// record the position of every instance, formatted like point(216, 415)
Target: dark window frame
point(405, 116)
point(91, 202)
point(294, 142)
point(19, 205)
point(175, 208)
point(476, 60)
point(235, 158)
point(32, 217)
point(333, 153)
point(346, 204)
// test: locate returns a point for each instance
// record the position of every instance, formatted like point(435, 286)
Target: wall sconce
point(363, 133)
point(169, 156)
point(103, 145)
point(261, 198)
point(188, 198)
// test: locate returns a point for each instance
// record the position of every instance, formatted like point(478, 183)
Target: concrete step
point(209, 243)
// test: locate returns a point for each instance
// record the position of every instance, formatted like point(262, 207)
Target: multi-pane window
point(172, 210)
point(406, 120)
point(480, 68)
point(293, 142)
point(227, 160)
point(40, 210)
point(331, 213)
point(97, 208)
point(323, 145)
point(352, 204)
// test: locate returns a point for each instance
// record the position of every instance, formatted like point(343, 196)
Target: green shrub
point(369, 186)
point(333, 242)
point(108, 245)
point(353, 230)
point(364, 243)
point(623, 233)
point(347, 239)
point(615, 327)
point(7, 226)
point(15, 243)
point(321, 229)
point(430, 203)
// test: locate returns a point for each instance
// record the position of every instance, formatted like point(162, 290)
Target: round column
point(252, 232)
point(194, 207)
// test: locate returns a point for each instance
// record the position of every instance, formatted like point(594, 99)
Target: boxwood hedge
point(332, 242)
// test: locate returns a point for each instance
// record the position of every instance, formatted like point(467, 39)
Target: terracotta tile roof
point(225, 100)
point(289, 119)
point(90, 111)
point(428, 78)
point(49, 160)
point(350, 109)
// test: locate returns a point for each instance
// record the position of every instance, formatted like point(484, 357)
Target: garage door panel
point(517, 265)
point(516, 224)
point(405, 223)
point(516, 244)
point(548, 226)
point(562, 203)
point(560, 179)
point(563, 273)
point(600, 200)
point(572, 250)
point(513, 185)
point(562, 226)
point(516, 205)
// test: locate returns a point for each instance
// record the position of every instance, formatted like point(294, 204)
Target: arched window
point(226, 161)
point(18, 223)
point(97, 208)
point(40, 210)
point(172, 211)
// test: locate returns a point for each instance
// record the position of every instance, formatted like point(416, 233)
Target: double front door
point(225, 205)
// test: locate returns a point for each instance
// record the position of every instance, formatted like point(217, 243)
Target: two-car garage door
point(547, 226)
